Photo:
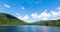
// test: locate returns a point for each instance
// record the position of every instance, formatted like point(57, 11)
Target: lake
point(29, 29)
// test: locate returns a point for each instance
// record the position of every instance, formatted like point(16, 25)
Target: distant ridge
point(48, 23)
point(9, 20)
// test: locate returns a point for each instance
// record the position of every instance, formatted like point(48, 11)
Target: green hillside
point(48, 23)
point(9, 20)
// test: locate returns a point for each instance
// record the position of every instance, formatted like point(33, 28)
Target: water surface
point(29, 29)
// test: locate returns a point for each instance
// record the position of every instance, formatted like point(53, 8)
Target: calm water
point(29, 29)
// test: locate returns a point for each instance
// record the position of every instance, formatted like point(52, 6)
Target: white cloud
point(46, 16)
point(36, 2)
point(55, 15)
point(6, 5)
point(59, 8)
point(43, 15)
point(22, 8)
point(18, 16)
point(34, 15)
point(26, 17)
point(52, 15)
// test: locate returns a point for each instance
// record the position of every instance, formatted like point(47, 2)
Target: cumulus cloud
point(52, 15)
point(47, 16)
point(41, 16)
point(6, 5)
point(55, 15)
point(44, 14)
point(58, 7)
point(26, 17)
point(34, 15)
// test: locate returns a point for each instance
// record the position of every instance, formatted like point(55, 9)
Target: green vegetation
point(9, 20)
point(48, 23)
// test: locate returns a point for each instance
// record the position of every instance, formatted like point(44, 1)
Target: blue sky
point(31, 10)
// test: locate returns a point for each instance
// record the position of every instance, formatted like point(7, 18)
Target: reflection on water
point(29, 29)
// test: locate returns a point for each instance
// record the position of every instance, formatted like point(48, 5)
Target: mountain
point(9, 20)
point(48, 23)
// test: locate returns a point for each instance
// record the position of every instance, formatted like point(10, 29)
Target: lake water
point(29, 29)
